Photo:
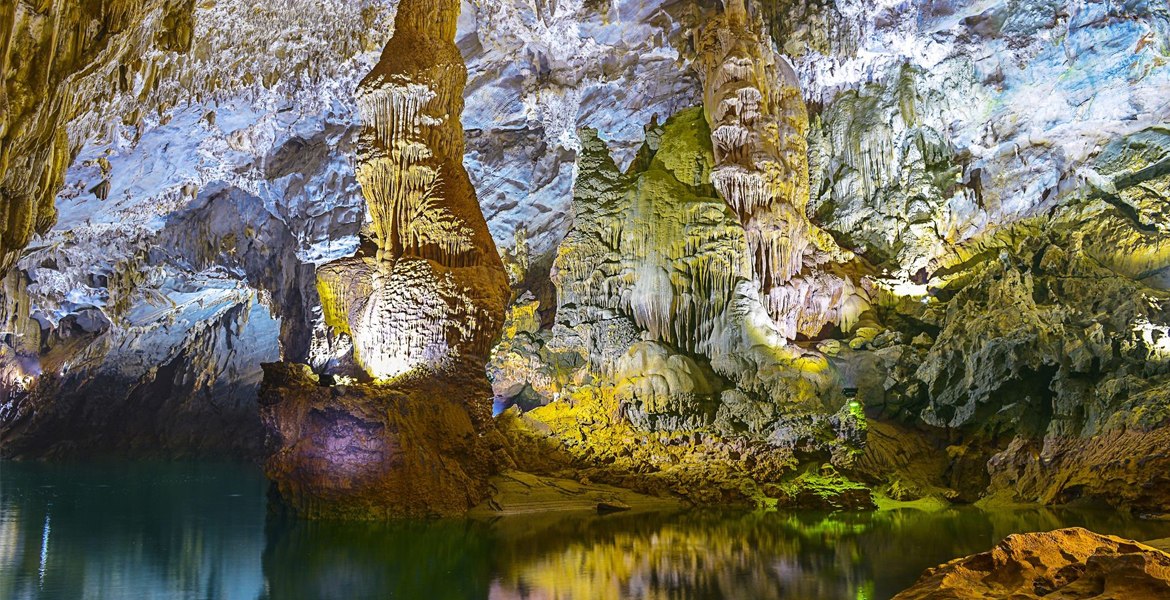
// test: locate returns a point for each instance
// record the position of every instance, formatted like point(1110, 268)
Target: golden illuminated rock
point(435, 287)
point(421, 309)
point(660, 335)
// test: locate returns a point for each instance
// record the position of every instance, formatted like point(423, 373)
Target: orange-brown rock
point(1065, 564)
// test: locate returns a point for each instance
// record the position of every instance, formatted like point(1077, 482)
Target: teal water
point(200, 531)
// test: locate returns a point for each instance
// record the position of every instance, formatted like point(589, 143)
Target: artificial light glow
point(904, 288)
point(1157, 337)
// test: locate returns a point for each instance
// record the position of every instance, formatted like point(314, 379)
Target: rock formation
point(44, 53)
point(1061, 565)
point(1014, 349)
point(421, 309)
point(759, 124)
point(719, 224)
point(660, 334)
point(205, 184)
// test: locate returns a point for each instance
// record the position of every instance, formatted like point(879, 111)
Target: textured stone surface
point(662, 369)
point(421, 309)
point(1041, 347)
point(368, 451)
point(1062, 564)
point(759, 124)
point(207, 175)
point(655, 296)
point(996, 169)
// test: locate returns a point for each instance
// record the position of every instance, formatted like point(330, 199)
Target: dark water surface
point(177, 530)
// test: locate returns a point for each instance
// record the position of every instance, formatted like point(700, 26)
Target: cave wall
point(963, 217)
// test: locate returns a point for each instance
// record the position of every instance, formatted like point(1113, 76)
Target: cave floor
point(202, 530)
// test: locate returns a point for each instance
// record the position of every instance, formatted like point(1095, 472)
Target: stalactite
point(652, 245)
point(758, 126)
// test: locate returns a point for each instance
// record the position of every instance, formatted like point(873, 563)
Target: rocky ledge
point(1056, 565)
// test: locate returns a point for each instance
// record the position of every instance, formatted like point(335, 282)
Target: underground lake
point(201, 530)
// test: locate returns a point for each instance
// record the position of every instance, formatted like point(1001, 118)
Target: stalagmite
point(422, 309)
point(435, 287)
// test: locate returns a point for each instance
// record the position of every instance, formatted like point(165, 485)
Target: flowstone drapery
point(759, 125)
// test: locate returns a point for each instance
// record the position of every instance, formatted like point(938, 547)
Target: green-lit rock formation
point(662, 355)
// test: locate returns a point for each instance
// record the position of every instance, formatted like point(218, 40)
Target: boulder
point(1065, 564)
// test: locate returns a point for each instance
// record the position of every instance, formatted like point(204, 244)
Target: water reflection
point(797, 556)
point(200, 531)
point(130, 530)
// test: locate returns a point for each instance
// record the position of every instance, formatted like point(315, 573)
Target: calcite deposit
point(661, 337)
point(421, 309)
point(759, 123)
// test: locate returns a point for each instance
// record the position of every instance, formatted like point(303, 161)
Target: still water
point(199, 531)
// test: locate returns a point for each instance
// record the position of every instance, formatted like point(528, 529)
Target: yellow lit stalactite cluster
point(435, 288)
point(758, 128)
point(649, 245)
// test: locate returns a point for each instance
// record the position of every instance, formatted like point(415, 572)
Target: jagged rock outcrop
point(1043, 346)
point(45, 51)
point(885, 178)
point(1062, 565)
point(421, 308)
point(654, 274)
point(758, 122)
point(660, 336)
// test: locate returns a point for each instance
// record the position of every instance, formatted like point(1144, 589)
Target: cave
point(509, 299)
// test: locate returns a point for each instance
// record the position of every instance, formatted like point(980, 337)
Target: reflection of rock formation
point(421, 310)
point(202, 523)
point(330, 560)
point(758, 127)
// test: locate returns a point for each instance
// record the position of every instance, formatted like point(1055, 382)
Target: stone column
point(422, 308)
